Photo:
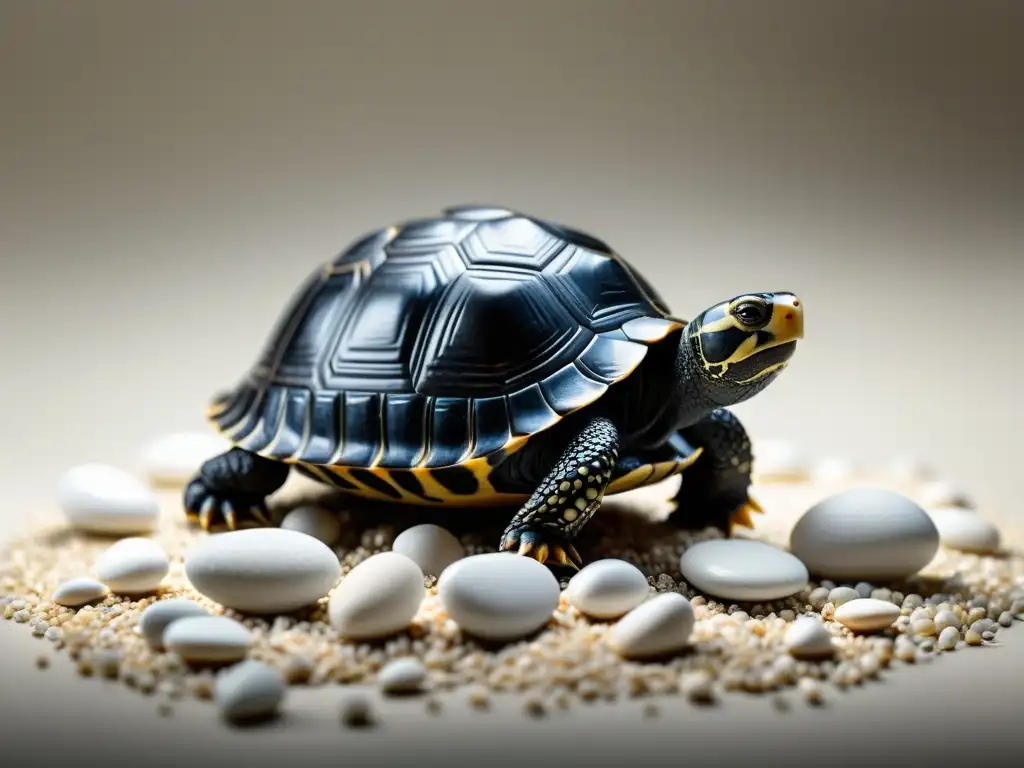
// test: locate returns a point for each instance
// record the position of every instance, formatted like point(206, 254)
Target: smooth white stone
point(132, 566)
point(939, 493)
point(807, 638)
point(208, 639)
point(405, 675)
point(778, 459)
point(431, 547)
point(866, 614)
point(100, 498)
point(378, 597)
point(249, 690)
point(865, 533)
point(607, 589)
point(965, 531)
point(76, 592)
point(320, 523)
point(657, 627)
point(157, 617)
point(498, 596)
point(738, 569)
point(175, 458)
point(262, 570)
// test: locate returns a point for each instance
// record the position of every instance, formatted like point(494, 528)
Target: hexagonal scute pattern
point(443, 338)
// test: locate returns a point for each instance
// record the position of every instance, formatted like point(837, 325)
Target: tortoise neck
point(695, 393)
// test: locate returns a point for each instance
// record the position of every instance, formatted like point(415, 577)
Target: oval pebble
point(320, 523)
point(939, 493)
point(738, 569)
point(171, 460)
point(378, 597)
point(405, 675)
point(607, 589)
point(778, 460)
point(262, 570)
point(865, 614)
point(657, 627)
point(499, 596)
point(76, 592)
point(865, 533)
point(841, 595)
point(99, 498)
point(948, 638)
point(808, 639)
point(157, 617)
point(431, 547)
point(250, 690)
point(208, 639)
point(132, 566)
point(965, 531)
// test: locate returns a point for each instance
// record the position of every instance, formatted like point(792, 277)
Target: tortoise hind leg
point(715, 489)
point(230, 490)
point(566, 499)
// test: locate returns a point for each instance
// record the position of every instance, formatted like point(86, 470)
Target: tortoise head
point(741, 345)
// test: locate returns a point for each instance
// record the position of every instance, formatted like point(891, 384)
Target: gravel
point(733, 647)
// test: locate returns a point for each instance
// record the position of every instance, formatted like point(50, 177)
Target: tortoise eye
point(750, 313)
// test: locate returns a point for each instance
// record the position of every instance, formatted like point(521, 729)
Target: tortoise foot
point(223, 510)
point(722, 513)
point(544, 546)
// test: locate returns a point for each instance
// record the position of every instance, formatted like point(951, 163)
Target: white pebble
point(948, 638)
point(865, 533)
point(76, 592)
point(132, 566)
point(657, 627)
point(499, 596)
point(208, 639)
point(865, 614)
point(945, 619)
point(320, 523)
point(807, 638)
point(431, 547)
point(157, 617)
point(100, 498)
point(378, 597)
point(249, 690)
point(172, 460)
point(404, 675)
point(738, 569)
point(965, 531)
point(939, 493)
point(841, 595)
point(607, 589)
point(262, 570)
point(778, 460)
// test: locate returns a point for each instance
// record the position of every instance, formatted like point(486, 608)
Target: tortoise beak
point(787, 321)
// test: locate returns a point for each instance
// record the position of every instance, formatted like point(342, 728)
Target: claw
point(567, 556)
point(525, 548)
point(741, 516)
point(229, 515)
point(258, 515)
point(541, 555)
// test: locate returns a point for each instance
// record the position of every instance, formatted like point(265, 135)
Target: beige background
point(170, 171)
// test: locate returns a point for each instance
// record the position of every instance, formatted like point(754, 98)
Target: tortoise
point(489, 358)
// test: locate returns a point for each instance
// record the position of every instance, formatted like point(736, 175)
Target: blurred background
point(169, 173)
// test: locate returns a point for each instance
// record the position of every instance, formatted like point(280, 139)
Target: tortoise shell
point(442, 343)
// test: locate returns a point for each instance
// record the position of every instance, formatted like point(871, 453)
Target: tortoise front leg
point(715, 489)
point(567, 498)
point(230, 490)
